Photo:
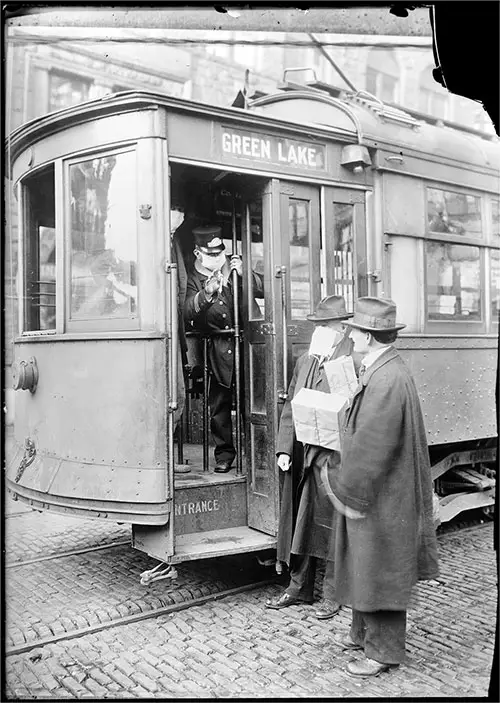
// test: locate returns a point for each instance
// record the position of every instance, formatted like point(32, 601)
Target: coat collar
point(383, 359)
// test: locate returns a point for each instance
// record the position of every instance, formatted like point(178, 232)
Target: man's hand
point(284, 462)
point(236, 264)
point(212, 286)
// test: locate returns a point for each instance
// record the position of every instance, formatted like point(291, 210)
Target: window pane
point(40, 252)
point(256, 304)
point(65, 90)
point(495, 207)
point(495, 284)
point(343, 281)
point(371, 81)
point(453, 282)
point(300, 279)
point(453, 213)
point(103, 237)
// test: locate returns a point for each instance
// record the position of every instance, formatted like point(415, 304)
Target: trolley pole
point(236, 349)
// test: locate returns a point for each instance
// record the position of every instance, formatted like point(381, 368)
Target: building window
point(382, 75)
point(66, 90)
point(433, 99)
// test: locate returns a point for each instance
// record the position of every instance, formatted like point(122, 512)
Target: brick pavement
point(233, 647)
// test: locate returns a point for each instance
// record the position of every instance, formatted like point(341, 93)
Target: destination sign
point(273, 150)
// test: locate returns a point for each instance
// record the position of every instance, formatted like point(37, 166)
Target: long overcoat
point(385, 474)
point(302, 510)
point(216, 316)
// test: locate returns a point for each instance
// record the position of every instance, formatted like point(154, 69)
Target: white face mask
point(176, 220)
point(323, 340)
point(213, 263)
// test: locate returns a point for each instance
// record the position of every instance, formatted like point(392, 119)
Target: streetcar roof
point(352, 118)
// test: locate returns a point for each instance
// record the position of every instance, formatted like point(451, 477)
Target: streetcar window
point(495, 284)
point(40, 252)
point(453, 213)
point(300, 279)
point(103, 237)
point(256, 304)
point(453, 282)
point(343, 280)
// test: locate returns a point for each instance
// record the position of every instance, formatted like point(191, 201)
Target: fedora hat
point(208, 239)
point(375, 315)
point(330, 308)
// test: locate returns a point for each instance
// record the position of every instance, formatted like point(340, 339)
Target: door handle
point(281, 274)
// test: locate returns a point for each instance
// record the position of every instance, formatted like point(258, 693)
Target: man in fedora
point(306, 517)
point(209, 308)
point(384, 538)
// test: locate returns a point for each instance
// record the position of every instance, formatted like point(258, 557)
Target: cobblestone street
point(227, 647)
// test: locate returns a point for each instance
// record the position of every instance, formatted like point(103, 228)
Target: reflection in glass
point(300, 279)
point(40, 252)
point(103, 237)
point(256, 305)
point(453, 282)
point(453, 213)
point(495, 207)
point(495, 284)
point(343, 235)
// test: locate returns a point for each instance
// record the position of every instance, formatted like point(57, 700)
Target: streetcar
point(320, 191)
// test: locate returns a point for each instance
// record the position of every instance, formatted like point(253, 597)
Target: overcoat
point(215, 316)
point(385, 474)
point(304, 510)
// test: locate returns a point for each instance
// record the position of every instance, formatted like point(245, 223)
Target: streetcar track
point(128, 619)
point(62, 555)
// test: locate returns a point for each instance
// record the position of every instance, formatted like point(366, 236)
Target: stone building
point(45, 74)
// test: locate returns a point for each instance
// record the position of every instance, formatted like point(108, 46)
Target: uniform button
point(229, 351)
point(226, 327)
point(224, 314)
point(221, 302)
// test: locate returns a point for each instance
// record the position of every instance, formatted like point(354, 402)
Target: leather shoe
point(283, 602)
point(222, 467)
point(327, 609)
point(368, 667)
point(348, 644)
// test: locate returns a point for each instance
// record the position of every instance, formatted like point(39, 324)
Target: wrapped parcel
point(316, 415)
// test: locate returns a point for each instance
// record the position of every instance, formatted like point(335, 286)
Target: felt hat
point(375, 315)
point(330, 308)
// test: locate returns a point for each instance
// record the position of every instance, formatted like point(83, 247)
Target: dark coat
point(215, 316)
point(306, 513)
point(385, 473)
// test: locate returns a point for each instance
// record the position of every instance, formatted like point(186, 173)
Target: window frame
point(97, 324)
point(25, 233)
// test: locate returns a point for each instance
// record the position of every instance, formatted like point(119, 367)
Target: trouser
point(220, 401)
point(381, 633)
point(302, 575)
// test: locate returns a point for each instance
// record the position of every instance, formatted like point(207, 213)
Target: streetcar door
point(260, 227)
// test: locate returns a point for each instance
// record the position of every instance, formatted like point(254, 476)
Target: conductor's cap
point(208, 239)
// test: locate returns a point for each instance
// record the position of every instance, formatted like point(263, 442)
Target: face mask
point(213, 263)
point(176, 220)
point(323, 340)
